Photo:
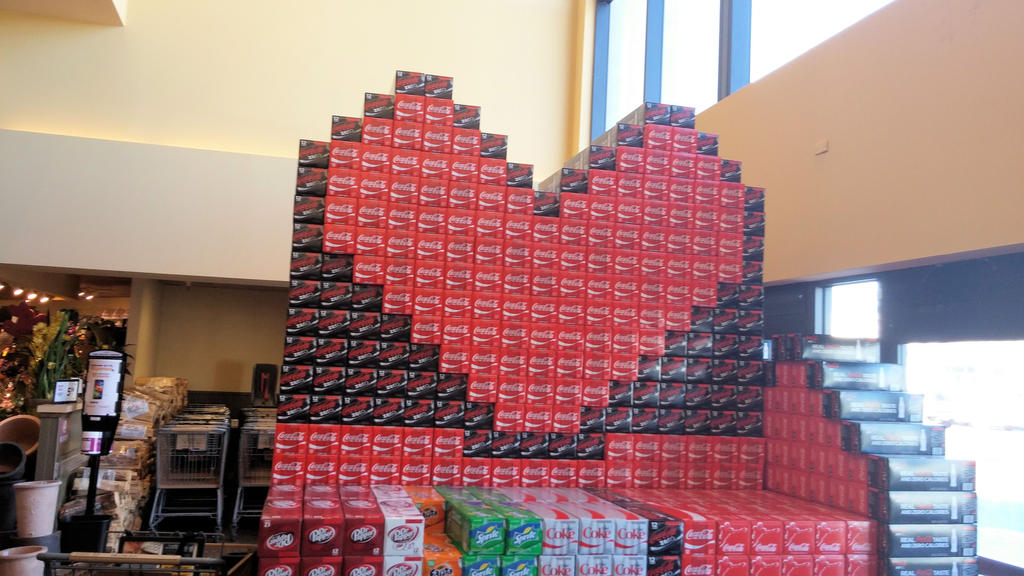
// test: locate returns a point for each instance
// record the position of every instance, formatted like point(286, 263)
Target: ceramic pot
point(51, 542)
point(12, 461)
point(22, 429)
point(36, 507)
point(21, 561)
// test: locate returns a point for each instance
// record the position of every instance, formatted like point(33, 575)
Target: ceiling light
point(17, 291)
point(89, 297)
point(44, 299)
point(81, 294)
point(31, 296)
point(2, 286)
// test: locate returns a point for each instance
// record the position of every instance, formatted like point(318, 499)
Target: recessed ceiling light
point(31, 296)
point(44, 299)
point(17, 291)
point(89, 297)
point(81, 294)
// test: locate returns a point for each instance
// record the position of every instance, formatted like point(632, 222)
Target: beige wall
point(142, 339)
point(214, 335)
point(168, 146)
point(254, 76)
point(143, 209)
point(920, 106)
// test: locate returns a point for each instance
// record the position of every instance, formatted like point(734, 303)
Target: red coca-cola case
point(446, 471)
point(798, 537)
point(505, 472)
point(476, 472)
point(535, 473)
point(798, 565)
point(415, 471)
point(733, 536)
point(353, 470)
point(590, 473)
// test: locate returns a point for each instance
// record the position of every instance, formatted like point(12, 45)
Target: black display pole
point(94, 480)
point(100, 414)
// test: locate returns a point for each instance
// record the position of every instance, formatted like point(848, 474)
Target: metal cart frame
point(188, 558)
point(255, 463)
point(190, 464)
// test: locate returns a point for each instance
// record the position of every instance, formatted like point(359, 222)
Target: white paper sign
point(101, 386)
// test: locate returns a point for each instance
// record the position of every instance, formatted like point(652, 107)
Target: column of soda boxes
point(842, 431)
point(434, 289)
point(420, 531)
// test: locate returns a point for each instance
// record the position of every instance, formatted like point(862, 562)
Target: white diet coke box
point(630, 529)
point(561, 530)
point(594, 565)
point(556, 566)
point(597, 531)
point(629, 565)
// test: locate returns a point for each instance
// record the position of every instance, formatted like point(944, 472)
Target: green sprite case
point(481, 565)
point(475, 528)
point(524, 535)
point(519, 565)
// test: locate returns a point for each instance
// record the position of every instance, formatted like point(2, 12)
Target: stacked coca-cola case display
point(450, 325)
point(842, 431)
point(740, 533)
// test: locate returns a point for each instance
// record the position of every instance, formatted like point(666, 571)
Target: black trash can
point(84, 533)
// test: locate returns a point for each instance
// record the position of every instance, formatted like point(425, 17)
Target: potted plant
point(17, 370)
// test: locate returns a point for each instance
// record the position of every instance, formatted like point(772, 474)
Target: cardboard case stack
point(842, 431)
point(451, 325)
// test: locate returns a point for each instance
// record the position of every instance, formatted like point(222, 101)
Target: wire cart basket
point(255, 461)
point(177, 554)
point(102, 564)
point(191, 451)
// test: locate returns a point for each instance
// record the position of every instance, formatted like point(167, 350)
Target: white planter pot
point(21, 561)
point(36, 507)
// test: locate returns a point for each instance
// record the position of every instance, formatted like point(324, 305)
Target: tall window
point(781, 30)
point(976, 388)
point(850, 310)
point(689, 71)
point(626, 42)
point(766, 34)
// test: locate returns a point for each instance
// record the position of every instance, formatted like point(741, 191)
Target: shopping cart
point(102, 564)
point(191, 451)
point(255, 460)
point(169, 554)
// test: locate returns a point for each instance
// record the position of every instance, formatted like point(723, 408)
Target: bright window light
point(781, 30)
point(689, 71)
point(976, 388)
point(853, 310)
point(626, 47)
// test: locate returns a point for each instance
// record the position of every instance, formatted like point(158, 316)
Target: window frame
point(823, 303)
point(733, 54)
